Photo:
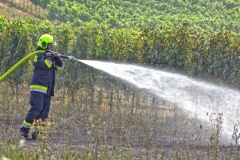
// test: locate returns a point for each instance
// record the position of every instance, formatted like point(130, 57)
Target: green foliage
point(3, 22)
point(202, 14)
point(202, 54)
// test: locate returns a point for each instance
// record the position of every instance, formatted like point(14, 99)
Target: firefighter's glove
point(70, 58)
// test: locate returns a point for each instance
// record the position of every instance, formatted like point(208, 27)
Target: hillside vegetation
point(210, 15)
point(181, 47)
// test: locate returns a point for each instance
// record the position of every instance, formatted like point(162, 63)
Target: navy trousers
point(40, 106)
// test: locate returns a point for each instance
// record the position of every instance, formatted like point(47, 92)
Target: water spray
point(196, 97)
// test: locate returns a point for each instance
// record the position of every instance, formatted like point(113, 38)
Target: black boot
point(38, 136)
point(24, 132)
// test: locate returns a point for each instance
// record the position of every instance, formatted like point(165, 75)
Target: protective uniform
point(42, 85)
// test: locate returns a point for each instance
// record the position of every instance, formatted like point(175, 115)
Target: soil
point(79, 140)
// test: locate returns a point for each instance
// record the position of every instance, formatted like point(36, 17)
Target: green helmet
point(45, 40)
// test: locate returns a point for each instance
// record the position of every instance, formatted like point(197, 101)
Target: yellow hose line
point(19, 63)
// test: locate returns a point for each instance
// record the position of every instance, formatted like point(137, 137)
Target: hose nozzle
point(68, 57)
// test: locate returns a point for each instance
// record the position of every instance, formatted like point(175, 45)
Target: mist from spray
point(194, 96)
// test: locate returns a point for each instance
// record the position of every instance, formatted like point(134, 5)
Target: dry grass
point(120, 123)
point(13, 9)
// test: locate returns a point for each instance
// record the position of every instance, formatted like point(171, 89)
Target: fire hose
point(26, 58)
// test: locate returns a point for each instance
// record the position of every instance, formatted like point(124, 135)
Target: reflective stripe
point(35, 59)
point(23, 125)
point(38, 88)
point(38, 128)
point(48, 63)
point(26, 124)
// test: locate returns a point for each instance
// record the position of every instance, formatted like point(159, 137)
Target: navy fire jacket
point(43, 79)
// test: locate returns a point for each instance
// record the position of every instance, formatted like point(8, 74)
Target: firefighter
point(42, 85)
